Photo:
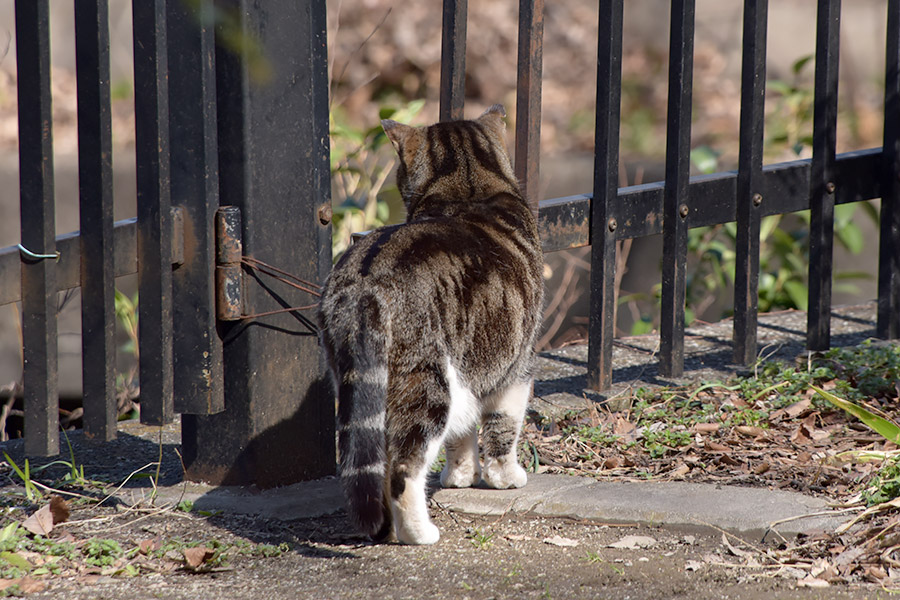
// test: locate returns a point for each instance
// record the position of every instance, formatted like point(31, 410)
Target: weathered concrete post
point(272, 101)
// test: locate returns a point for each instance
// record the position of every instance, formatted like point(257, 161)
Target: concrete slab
point(308, 499)
point(740, 510)
point(736, 509)
point(679, 504)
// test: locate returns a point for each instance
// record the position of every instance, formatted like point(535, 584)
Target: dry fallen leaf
point(26, 584)
point(750, 431)
point(798, 408)
point(716, 447)
point(557, 540)
point(633, 542)
point(735, 551)
point(195, 557)
point(813, 582)
point(40, 522)
point(761, 468)
point(706, 427)
point(623, 426)
point(681, 470)
point(31, 586)
point(611, 463)
point(150, 545)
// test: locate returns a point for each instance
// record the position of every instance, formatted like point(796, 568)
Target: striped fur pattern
point(429, 328)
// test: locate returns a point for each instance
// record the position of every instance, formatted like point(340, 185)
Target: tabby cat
point(429, 328)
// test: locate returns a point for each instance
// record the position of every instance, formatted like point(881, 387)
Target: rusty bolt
point(612, 224)
point(757, 199)
point(325, 214)
point(683, 211)
point(829, 187)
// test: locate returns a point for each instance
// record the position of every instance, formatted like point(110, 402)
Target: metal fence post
point(98, 315)
point(749, 182)
point(602, 324)
point(453, 60)
point(889, 245)
point(677, 205)
point(272, 93)
point(197, 347)
point(38, 247)
point(154, 239)
point(822, 181)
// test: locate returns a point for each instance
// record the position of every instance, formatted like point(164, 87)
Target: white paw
point(423, 533)
point(460, 476)
point(504, 473)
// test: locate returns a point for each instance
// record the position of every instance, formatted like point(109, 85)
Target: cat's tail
point(362, 395)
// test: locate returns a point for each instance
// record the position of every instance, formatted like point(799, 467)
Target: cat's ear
point(398, 133)
point(493, 118)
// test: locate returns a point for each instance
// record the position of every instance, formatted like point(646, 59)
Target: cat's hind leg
point(503, 417)
point(462, 468)
point(416, 430)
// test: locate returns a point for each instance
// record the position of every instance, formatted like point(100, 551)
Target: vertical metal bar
point(889, 245)
point(279, 402)
point(39, 326)
point(453, 60)
point(153, 210)
point(197, 350)
point(749, 181)
point(98, 316)
point(676, 201)
point(528, 99)
point(602, 324)
point(821, 181)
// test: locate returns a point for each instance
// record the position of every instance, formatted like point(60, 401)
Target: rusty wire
point(284, 277)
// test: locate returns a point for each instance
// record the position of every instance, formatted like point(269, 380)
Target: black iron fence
point(215, 127)
point(681, 202)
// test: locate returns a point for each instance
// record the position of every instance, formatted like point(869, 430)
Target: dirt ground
point(515, 556)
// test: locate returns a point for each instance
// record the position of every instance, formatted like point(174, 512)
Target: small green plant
point(127, 315)
point(885, 486)
point(270, 550)
point(185, 506)
point(593, 556)
point(481, 539)
point(101, 552)
point(511, 574)
point(659, 442)
point(790, 124)
point(31, 491)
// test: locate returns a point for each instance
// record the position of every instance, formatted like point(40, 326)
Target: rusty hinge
point(229, 301)
point(230, 263)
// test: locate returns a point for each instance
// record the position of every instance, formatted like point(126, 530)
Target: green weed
point(481, 539)
point(31, 491)
point(885, 486)
point(101, 552)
